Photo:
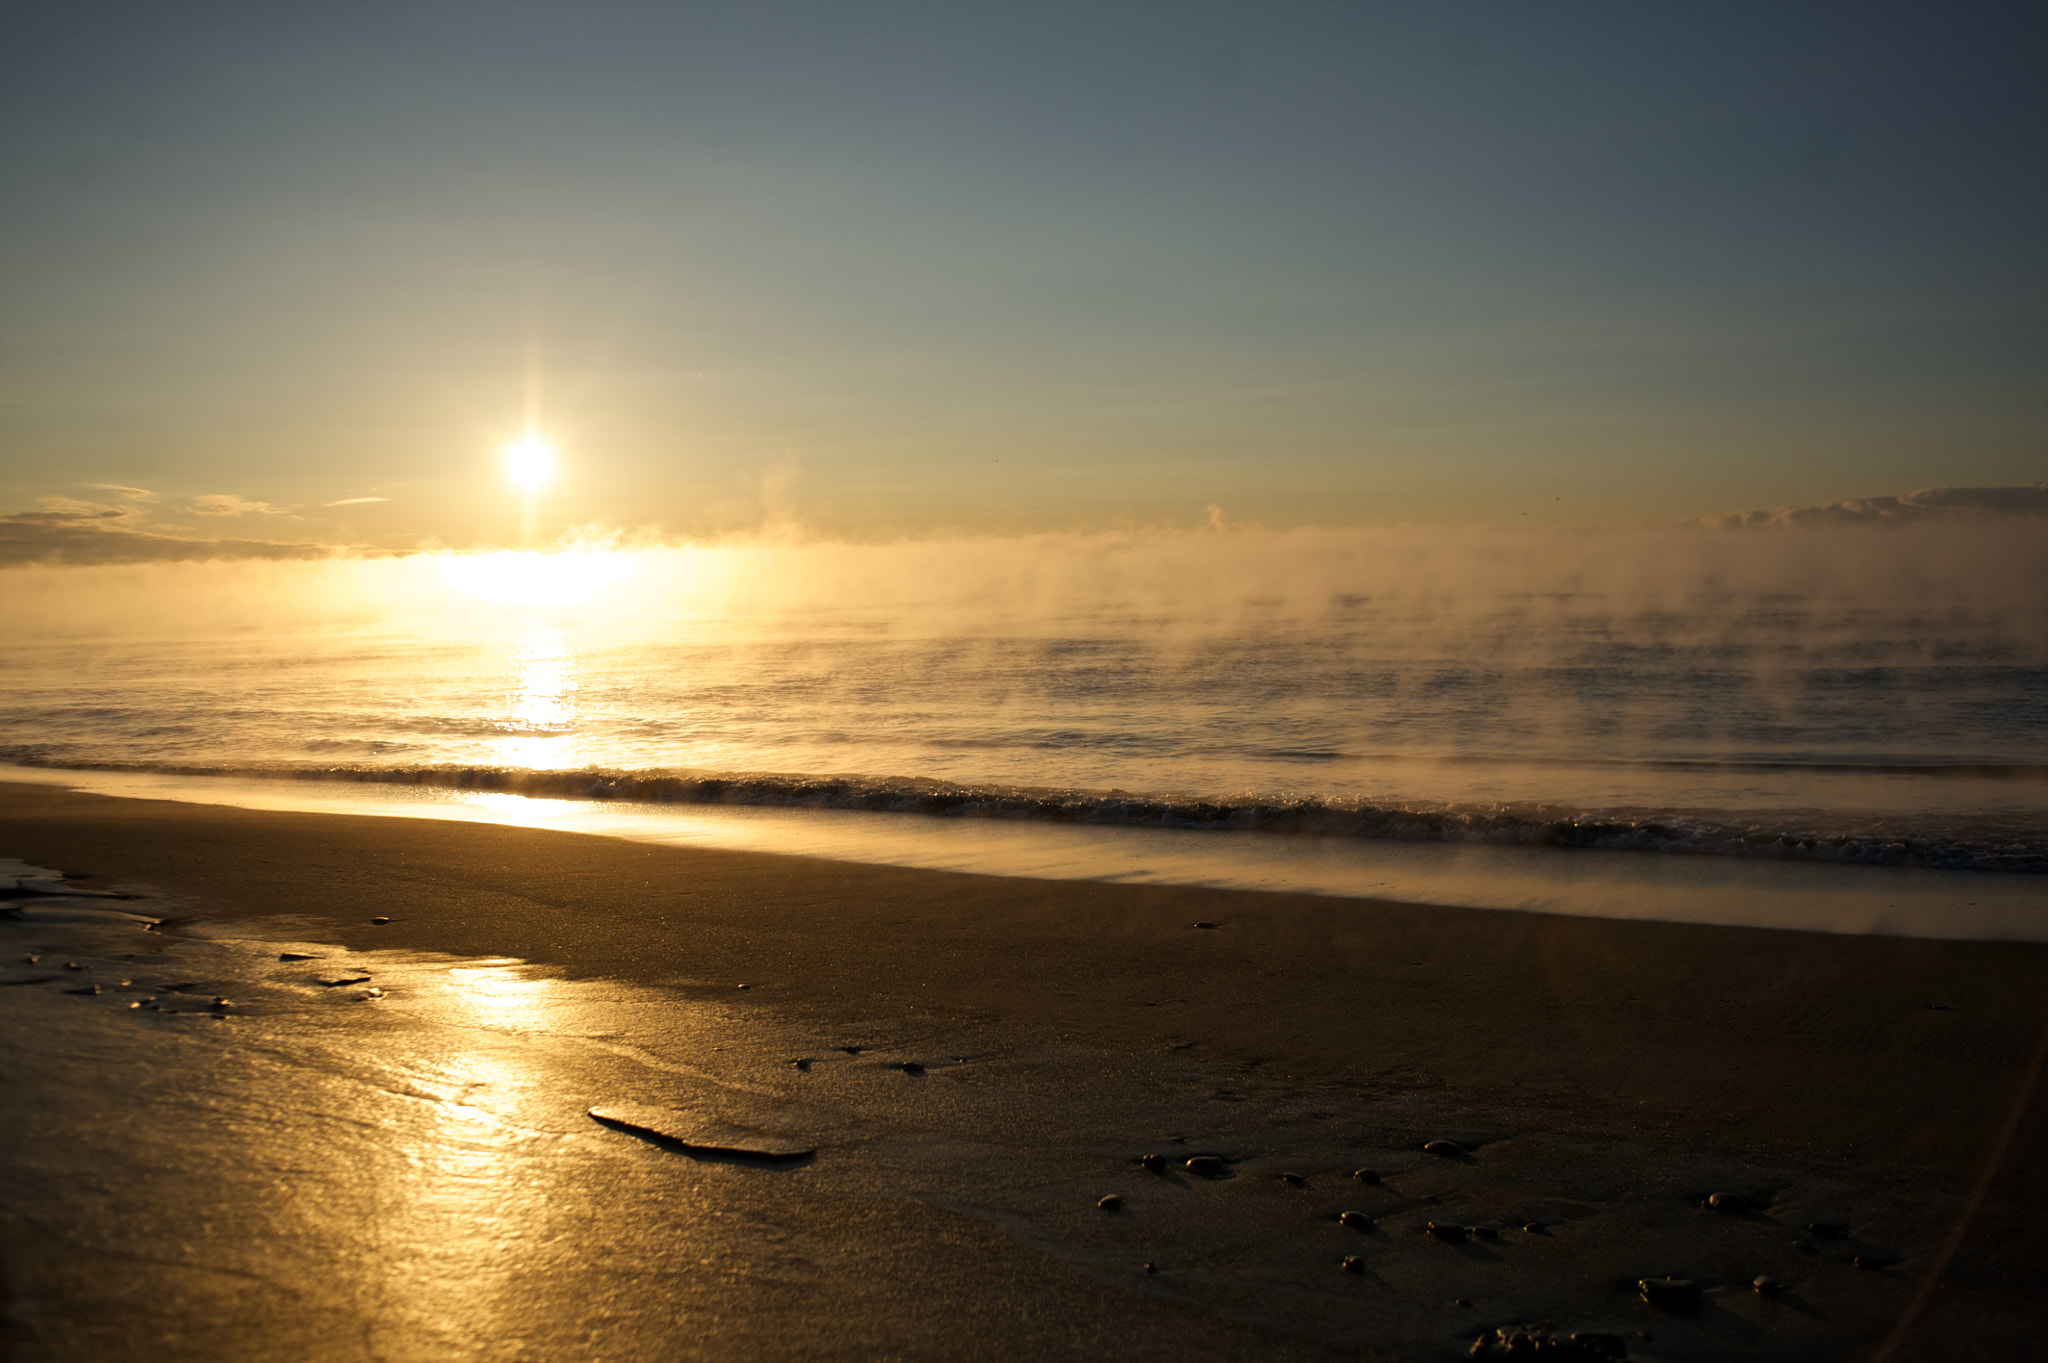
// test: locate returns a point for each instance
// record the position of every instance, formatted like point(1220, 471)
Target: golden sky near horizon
point(300, 273)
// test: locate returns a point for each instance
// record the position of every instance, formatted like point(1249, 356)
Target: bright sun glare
point(563, 578)
point(529, 462)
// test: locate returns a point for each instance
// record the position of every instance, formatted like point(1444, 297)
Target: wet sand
point(320, 1170)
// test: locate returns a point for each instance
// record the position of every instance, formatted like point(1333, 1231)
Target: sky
point(292, 273)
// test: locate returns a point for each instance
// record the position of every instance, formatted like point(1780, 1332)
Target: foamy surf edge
point(1688, 833)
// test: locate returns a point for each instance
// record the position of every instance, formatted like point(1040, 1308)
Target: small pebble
point(1293, 1180)
point(1151, 1268)
point(135, 1005)
point(1483, 1232)
point(222, 1003)
point(1670, 1294)
point(851, 1050)
point(1447, 1149)
point(84, 989)
point(31, 958)
point(1459, 1301)
point(1727, 1202)
point(1355, 1220)
point(911, 1067)
point(1155, 1163)
point(371, 993)
point(1110, 1203)
point(1208, 1166)
point(295, 956)
point(1765, 1285)
point(1869, 1261)
point(746, 986)
point(1205, 925)
point(1826, 1230)
point(380, 921)
point(802, 1062)
point(1365, 1176)
point(1353, 1264)
point(1443, 1230)
point(1535, 1228)
point(73, 965)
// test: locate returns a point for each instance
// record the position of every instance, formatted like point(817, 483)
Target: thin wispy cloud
point(355, 501)
point(228, 504)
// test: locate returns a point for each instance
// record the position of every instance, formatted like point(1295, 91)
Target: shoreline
point(1885, 1070)
point(1800, 895)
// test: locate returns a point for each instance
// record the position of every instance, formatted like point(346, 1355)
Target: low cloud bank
point(85, 534)
point(1929, 503)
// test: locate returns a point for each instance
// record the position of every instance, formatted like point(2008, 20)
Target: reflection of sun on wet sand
point(1049, 1119)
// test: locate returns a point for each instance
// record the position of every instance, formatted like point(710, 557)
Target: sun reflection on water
point(501, 996)
point(539, 726)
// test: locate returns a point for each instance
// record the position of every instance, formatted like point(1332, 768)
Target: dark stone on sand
point(1535, 1228)
point(380, 921)
point(746, 986)
point(1871, 1261)
point(1353, 1264)
point(1512, 1341)
point(1109, 1203)
point(851, 1050)
point(802, 1062)
point(30, 959)
point(1205, 925)
point(1446, 1149)
point(84, 989)
point(1365, 1176)
point(1155, 1163)
point(337, 981)
point(911, 1067)
point(1208, 1166)
point(295, 956)
point(1151, 1268)
point(1444, 1230)
point(1483, 1232)
point(1728, 1202)
point(1765, 1285)
point(699, 1133)
point(1294, 1180)
point(73, 965)
point(222, 1003)
point(1460, 1301)
point(1670, 1294)
point(1355, 1220)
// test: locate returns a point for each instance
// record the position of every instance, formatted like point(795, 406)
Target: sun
point(529, 462)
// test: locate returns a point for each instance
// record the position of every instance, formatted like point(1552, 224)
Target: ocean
point(1877, 699)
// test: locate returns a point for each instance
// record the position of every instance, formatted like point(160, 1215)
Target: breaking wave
point(1879, 841)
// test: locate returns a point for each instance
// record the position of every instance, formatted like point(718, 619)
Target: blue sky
point(902, 268)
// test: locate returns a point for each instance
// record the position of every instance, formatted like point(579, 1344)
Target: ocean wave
point(1787, 837)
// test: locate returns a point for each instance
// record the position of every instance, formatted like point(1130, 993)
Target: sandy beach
point(379, 1148)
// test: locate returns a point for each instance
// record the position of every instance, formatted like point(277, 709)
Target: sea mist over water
point(1857, 693)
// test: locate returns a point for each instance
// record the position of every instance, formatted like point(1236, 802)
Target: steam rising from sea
point(1855, 694)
